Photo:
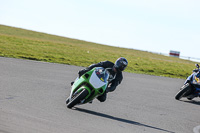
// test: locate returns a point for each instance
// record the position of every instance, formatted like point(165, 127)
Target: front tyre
point(77, 98)
point(67, 100)
point(185, 90)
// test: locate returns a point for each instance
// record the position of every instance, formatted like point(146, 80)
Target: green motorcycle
point(89, 86)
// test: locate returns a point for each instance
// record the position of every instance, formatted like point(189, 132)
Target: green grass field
point(26, 44)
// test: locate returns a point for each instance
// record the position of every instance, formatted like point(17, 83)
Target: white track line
point(196, 129)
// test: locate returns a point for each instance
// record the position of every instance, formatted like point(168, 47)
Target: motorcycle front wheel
point(77, 98)
point(185, 91)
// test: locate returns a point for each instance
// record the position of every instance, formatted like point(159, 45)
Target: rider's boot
point(190, 97)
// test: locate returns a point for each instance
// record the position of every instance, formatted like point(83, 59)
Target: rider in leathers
point(115, 72)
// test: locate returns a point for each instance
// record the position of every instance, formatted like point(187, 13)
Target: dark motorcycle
point(191, 87)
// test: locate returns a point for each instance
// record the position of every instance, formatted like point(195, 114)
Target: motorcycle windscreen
point(99, 78)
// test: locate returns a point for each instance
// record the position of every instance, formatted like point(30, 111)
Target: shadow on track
point(119, 119)
point(193, 102)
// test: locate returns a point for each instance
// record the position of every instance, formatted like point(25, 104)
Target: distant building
point(174, 53)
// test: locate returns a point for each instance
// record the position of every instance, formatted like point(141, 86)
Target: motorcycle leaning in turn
point(89, 86)
point(191, 87)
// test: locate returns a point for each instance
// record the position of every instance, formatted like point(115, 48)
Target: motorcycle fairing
point(196, 80)
point(95, 84)
point(95, 81)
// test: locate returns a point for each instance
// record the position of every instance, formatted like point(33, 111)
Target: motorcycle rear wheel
point(77, 98)
point(185, 91)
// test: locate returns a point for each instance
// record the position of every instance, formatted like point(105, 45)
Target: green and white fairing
point(89, 86)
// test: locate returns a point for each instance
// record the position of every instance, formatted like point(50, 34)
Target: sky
point(149, 25)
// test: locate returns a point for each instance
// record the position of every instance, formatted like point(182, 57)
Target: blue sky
point(149, 25)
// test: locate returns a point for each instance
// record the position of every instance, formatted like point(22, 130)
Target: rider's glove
point(195, 70)
point(81, 72)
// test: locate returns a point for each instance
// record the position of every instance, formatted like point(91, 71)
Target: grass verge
point(26, 44)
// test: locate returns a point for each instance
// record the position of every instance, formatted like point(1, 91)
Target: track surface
point(32, 100)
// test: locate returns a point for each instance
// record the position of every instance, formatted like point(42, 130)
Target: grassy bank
point(26, 44)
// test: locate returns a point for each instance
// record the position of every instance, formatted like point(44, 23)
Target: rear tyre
point(185, 91)
point(77, 98)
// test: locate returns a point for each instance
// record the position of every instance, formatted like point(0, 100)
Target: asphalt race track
point(32, 100)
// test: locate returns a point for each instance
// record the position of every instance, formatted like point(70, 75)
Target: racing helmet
point(120, 64)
